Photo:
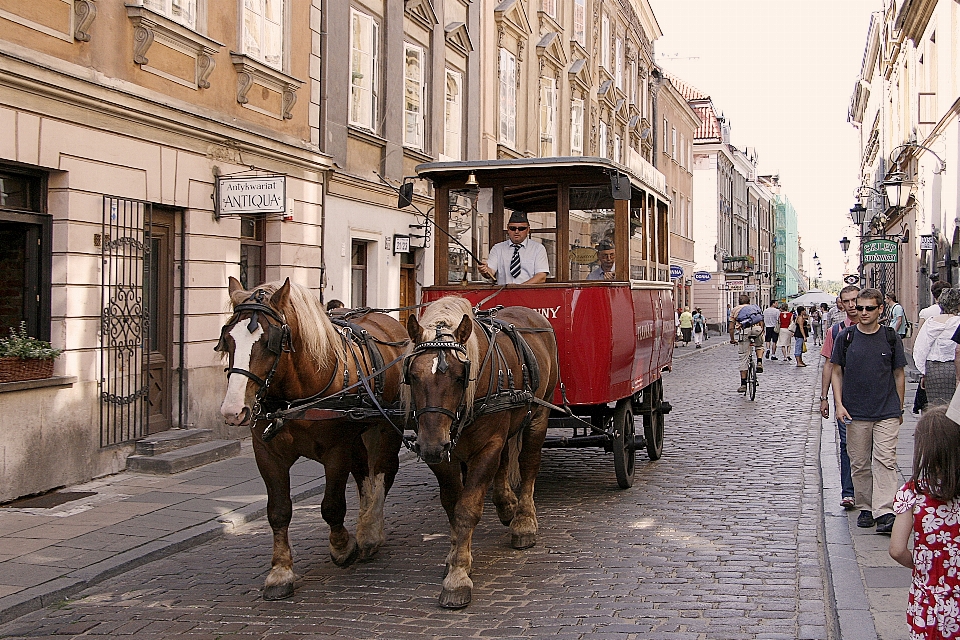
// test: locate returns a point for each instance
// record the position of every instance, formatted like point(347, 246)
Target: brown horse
point(282, 347)
point(471, 401)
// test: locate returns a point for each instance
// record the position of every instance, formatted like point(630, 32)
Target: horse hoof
point(368, 554)
point(523, 540)
point(278, 591)
point(455, 598)
point(346, 560)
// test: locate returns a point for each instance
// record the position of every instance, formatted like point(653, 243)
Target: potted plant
point(25, 358)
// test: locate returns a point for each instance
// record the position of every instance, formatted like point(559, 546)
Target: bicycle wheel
point(752, 379)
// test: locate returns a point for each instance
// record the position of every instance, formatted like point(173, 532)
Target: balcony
point(738, 264)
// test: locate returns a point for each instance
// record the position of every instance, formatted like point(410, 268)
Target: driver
point(518, 259)
point(749, 318)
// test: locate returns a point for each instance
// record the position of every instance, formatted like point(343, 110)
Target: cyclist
point(749, 319)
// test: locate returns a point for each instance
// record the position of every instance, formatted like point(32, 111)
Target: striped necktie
point(515, 261)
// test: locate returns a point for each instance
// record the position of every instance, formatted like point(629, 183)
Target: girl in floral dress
point(928, 511)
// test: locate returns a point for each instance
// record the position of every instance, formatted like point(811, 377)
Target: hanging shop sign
point(676, 271)
point(880, 251)
point(927, 243)
point(702, 276)
point(851, 279)
point(246, 195)
point(736, 285)
point(401, 244)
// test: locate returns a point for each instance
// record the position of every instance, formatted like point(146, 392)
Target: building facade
point(119, 122)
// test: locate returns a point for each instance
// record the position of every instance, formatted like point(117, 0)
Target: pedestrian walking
point(771, 327)
point(848, 301)
point(699, 328)
point(868, 388)
point(927, 511)
point(686, 326)
point(785, 337)
point(933, 310)
point(898, 317)
point(816, 325)
point(934, 350)
point(836, 313)
point(802, 324)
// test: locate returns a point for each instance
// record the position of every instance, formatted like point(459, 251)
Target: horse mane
point(319, 340)
point(446, 314)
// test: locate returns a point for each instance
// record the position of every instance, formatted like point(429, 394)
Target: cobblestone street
point(717, 540)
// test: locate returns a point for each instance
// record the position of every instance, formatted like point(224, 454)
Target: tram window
point(591, 226)
point(639, 243)
point(469, 228)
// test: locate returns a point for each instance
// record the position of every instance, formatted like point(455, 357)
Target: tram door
point(158, 295)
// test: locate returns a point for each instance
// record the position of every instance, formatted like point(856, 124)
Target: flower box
point(17, 369)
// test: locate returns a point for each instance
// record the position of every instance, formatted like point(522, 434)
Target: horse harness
point(344, 403)
point(503, 394)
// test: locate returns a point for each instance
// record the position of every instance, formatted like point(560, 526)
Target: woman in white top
point(934, 349)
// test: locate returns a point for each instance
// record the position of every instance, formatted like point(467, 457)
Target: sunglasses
point(513, 228)
point(868, 307)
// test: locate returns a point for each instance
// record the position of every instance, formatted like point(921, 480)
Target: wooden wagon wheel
point(624, 435)
point(653, 420)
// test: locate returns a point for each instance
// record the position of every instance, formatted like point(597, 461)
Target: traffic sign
point(702, 276)
point(676, 271)
point(851, 279)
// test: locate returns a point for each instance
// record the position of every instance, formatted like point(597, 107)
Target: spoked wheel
point(624, 435)
point(653, 421)
point(752, 382)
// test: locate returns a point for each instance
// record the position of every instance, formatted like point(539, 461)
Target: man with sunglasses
point(518, 259)
point(868, 390)
point(847, 302)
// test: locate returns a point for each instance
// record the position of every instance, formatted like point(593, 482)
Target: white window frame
point(267, 29)
point(453, 117)
point(549, 7)
point(548, 117)
point(666, 139)
point(605, 42)
point(414, 98)
point(180, 11)
point(508, 98)
point(683, 151)
point(602, 139)
point(576, 127)
point(673, 142)
point(616, 147)
point(633, 80)
point(618, 73)
point(579, 22)
point(360, 94)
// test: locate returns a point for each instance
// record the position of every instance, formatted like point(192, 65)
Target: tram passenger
point(518, 259)
point(607, 256)
point(749, 318)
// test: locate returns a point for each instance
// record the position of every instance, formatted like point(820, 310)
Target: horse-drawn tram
point(606, 294)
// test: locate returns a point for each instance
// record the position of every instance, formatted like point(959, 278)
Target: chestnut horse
point(472, 398)
point(282, 347)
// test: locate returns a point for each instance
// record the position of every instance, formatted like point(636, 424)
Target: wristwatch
point(822, 398)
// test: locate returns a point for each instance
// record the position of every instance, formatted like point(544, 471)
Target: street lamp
point(845, 244)
point(897, 189)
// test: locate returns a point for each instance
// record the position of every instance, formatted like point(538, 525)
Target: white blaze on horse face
point(436, 363)
point(235, 399)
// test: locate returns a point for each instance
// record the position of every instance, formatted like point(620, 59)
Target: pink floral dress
point(934, 606)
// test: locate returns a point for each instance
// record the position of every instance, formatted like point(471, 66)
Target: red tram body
point(615, 336)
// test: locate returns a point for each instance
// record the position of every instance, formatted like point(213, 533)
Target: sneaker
point(865, 520)
point(847, 502)
point(742, 388)
point(885, 523)
point(774, 358)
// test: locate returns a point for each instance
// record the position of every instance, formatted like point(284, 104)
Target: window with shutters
point(576, 128)
point(263, 31)
point(363, 70)
point(579, 20)
point(508, 98)
point(453, 116)
point(413, 96)
point(548, 111)
point(181, 11)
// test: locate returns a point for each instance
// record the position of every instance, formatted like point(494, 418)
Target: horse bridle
point(278, 342)
point(457, 417)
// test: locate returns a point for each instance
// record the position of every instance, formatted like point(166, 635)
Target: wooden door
point(408, 286)
point(158, 296)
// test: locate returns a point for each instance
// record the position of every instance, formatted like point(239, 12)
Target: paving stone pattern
point(718, 539)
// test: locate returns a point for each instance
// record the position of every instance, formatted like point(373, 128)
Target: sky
point(782, 72)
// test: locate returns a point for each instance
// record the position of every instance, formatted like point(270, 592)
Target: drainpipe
point(181, 413)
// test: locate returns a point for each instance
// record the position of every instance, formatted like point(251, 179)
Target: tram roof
point(587, 169)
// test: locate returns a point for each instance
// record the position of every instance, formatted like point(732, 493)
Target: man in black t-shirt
point(868, 389)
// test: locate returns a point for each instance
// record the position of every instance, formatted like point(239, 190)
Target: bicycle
point(752, 381)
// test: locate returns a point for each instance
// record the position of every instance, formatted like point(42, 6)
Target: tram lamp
point(897, 189)
point(845, 244)
point(857, 213)
point(620, 186)
point(406, 195)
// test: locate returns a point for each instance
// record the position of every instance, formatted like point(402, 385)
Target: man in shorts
point(771, 321)
point(749, 319)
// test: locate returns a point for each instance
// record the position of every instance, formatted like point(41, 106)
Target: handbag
point(803, 348)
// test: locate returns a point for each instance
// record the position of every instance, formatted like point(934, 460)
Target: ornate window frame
point(151, 27)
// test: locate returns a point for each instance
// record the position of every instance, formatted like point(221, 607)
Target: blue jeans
point(798, 347)
point(846, 479)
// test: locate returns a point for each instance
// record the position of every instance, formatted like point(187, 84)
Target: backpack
point(848, 339)
point(749, 315)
